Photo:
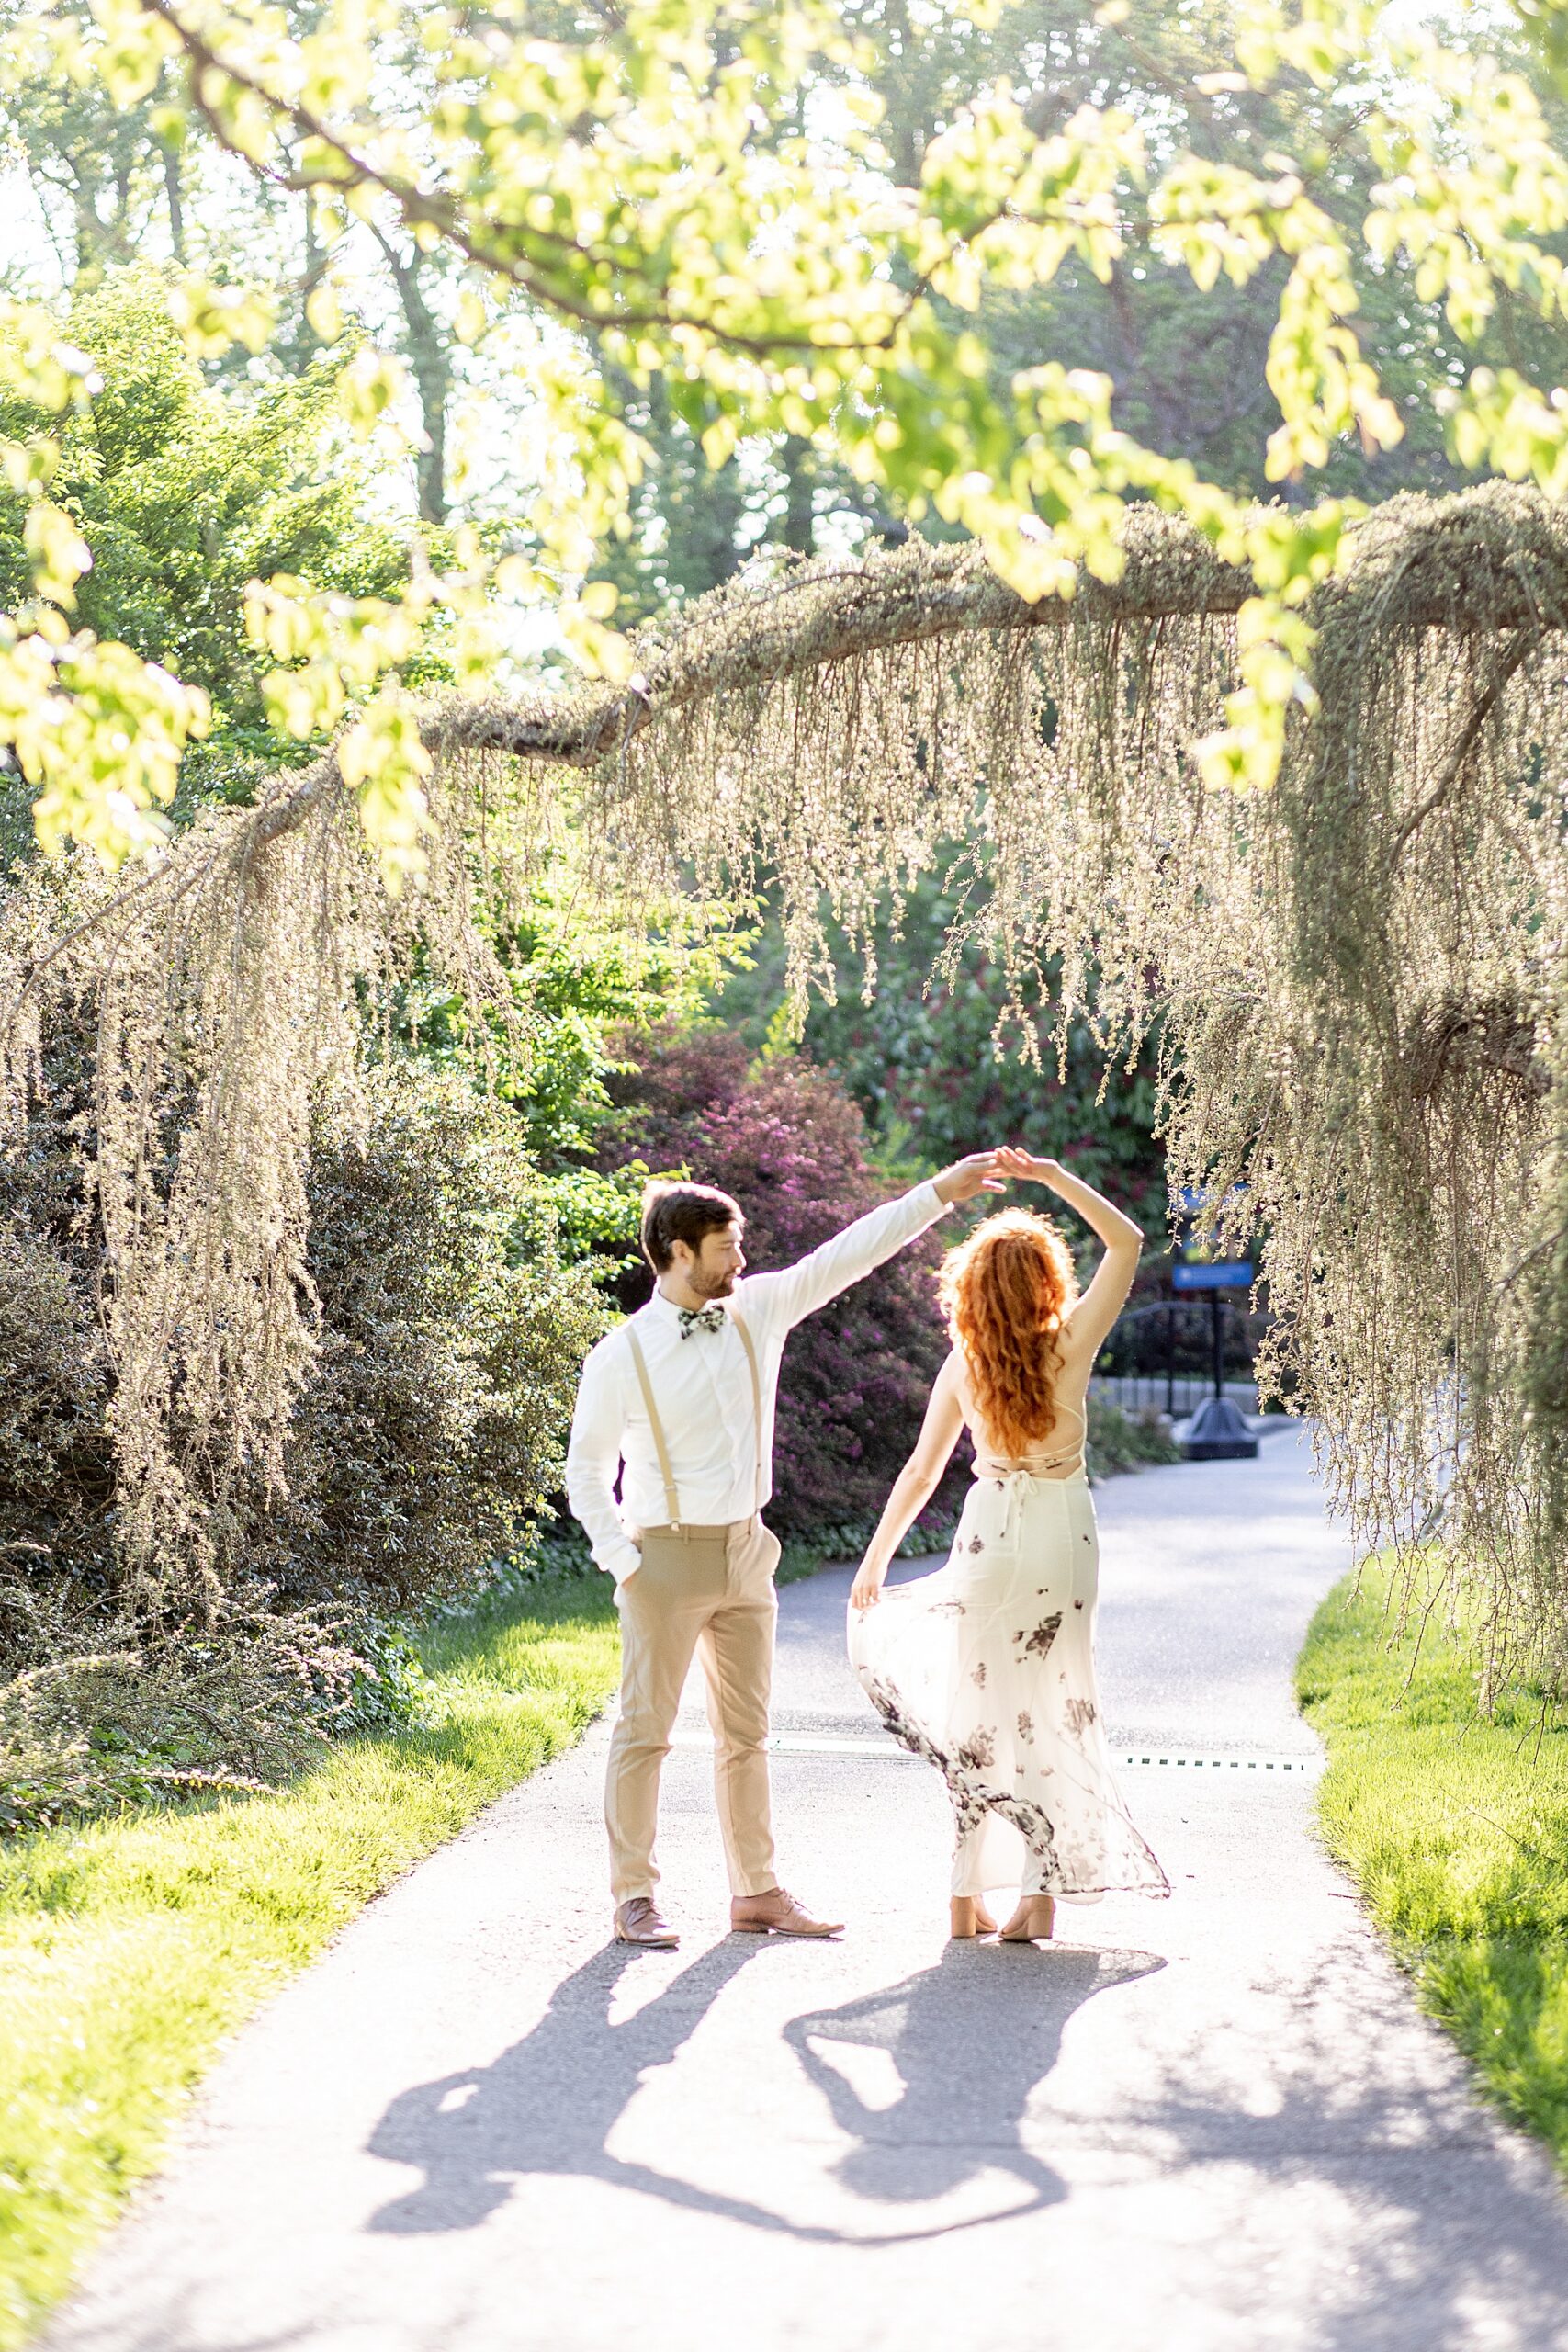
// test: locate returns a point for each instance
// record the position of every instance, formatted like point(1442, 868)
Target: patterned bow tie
point(701, 1319)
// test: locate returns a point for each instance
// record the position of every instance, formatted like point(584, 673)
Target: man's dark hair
point(672, 1213)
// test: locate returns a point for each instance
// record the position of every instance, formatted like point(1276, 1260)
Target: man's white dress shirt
point(703, 1388)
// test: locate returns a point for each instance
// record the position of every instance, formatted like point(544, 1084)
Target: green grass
point(1456, 1829)
point(131, 1949)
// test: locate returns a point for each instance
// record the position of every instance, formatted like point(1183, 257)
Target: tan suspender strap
point(756, 1404)
point(672, 1500)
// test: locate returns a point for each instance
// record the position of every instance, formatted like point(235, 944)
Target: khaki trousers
point(708, 1589)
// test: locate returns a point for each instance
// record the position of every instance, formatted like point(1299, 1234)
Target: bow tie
point(700, 1319)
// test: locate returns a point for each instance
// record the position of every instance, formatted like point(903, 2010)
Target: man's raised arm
point(593, 1460)
point(799, 1289)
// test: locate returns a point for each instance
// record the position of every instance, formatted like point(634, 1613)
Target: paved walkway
point(1211, 2125)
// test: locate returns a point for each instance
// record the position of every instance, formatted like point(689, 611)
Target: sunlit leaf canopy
point(703, 196)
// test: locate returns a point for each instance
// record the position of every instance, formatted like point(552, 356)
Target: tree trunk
point(799, 518)
point(431, 372)
point(174, 199)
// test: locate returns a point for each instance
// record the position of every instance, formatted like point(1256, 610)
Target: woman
point(986, 1669)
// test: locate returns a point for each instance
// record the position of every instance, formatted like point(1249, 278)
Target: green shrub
point(428, 1436)
point(452, 1334)
point(1120, 1440)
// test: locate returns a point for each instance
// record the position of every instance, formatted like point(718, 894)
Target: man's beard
point(713, 1286)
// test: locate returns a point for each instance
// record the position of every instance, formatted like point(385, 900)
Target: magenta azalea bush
point(790, 1144)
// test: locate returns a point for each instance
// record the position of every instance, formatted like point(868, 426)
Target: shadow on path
point(1449, 2235)
point(970, 2039)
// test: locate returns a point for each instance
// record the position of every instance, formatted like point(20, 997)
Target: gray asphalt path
point(1212, 2125)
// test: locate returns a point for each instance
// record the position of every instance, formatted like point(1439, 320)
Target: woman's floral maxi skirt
point(987, 1669)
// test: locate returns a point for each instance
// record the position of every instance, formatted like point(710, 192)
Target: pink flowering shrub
point(790, 1144)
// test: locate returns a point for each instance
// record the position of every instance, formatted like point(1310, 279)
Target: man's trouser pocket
point(683, 1563)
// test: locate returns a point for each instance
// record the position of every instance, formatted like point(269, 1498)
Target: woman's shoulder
point(1075, 1328)
point(956, 1381)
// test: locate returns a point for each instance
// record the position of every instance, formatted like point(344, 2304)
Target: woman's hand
point(1023, 1166)
point(866, 1590)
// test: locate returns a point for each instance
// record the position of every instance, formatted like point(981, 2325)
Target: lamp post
point(1217, 1430)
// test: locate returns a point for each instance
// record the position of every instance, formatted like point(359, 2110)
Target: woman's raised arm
point(1102, 1302)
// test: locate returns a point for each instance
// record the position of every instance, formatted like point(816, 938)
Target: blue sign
point(1216, 1274)
point(1193, 1199)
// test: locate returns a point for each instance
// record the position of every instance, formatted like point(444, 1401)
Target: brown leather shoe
point(638, 1922)
point(777, 1914)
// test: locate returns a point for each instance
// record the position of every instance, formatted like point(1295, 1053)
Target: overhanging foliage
point(1359, 976)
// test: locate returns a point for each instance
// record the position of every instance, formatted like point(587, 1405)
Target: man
point(682, 1395)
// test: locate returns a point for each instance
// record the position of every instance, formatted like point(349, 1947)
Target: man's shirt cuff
point(623, 1562)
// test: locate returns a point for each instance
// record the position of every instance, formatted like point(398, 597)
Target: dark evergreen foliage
point(788, 1142)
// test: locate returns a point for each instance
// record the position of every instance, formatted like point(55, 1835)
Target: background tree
point(109, 188)
point(184, 491)
point(1189, 362)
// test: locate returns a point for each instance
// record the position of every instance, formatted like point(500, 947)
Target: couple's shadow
point(969, 2041)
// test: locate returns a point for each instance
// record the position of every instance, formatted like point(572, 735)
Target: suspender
point(756, 1407)
point(666, 1471)
point(671, 1499)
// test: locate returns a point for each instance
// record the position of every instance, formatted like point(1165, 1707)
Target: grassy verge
point(1456, 1830)
point(130, 1949)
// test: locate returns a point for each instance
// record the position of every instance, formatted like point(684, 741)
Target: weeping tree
point(1358, 976)
point(1278, 783)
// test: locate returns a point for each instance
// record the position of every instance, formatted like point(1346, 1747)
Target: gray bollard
point(1217, 1433)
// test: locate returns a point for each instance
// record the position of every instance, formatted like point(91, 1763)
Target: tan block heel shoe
point(970, 1918)
point(1033, 1922)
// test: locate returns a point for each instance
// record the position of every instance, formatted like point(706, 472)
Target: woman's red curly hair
point(1006, 1292)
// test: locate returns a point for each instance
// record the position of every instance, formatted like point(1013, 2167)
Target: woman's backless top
point(1046, 1461)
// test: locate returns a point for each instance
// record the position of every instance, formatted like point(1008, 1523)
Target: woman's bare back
point(1059, 1454)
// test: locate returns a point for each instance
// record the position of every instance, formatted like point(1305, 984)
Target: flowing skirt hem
point(974, 1799)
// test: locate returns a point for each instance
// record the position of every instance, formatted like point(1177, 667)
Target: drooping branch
point(1460, 562)
point(1369, 1052)
point(1497, 1040)
point(1488, 560)
point(1514, 651)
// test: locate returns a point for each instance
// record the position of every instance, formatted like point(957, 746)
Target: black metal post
point(1171, 1360)
point(1217, 1302)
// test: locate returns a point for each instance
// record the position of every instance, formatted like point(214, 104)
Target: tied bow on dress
point(701, 1319)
